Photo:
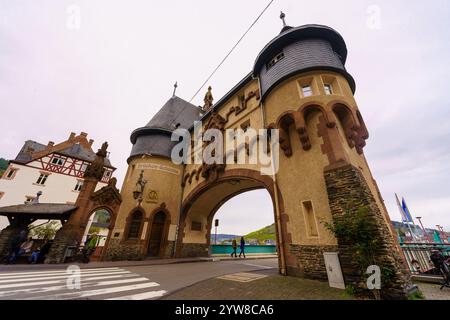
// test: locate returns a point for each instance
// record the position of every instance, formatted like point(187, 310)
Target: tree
point(47, 230)
point(3, 165)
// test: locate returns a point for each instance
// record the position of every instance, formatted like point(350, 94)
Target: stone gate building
point(299, 85)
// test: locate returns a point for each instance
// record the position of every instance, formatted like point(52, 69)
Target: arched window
point(135, 225)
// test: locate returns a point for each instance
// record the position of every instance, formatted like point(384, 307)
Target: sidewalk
point(261, 285)
point(111, 264)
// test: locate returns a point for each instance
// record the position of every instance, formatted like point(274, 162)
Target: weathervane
point(175, 86)
point(282, 17)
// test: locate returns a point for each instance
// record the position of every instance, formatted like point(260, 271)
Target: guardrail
point(249, 249)
point(418, 256)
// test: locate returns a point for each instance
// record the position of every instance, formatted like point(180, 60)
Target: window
point(275, 60)
point(58, 161)
point(307, 91)
point(78, 185)
point(328, 89)
point(42, 178)
point(11, 173)
point(310, 219)
point(135, 225)
point(1, 194)
point(83, 167)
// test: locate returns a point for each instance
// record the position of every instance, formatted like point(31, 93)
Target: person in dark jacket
point(242, 247)
point(234, 246)
point(15, 245)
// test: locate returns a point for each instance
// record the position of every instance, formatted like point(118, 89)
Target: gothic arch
point(261, 182)
point(164, 242)
point(129, 219)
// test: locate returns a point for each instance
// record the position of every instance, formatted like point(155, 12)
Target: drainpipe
point(174, 250)
point(280, 239)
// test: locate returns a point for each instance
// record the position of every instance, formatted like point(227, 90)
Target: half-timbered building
point(57, 170)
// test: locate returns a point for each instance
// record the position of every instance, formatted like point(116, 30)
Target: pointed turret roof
point(176, 112)
point(155, 137)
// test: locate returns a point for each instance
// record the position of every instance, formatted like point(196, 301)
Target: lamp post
point(216, 224)
point(423, 229)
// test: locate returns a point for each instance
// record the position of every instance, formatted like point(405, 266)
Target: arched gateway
point(300, 86)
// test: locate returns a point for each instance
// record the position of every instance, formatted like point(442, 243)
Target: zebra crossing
point(74, 283)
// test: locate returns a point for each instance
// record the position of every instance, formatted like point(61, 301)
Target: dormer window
point(274, 60)
point(57, 161)
point(307, 91)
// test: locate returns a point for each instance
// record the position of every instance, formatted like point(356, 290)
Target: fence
point(418, 256)
point(249, 249)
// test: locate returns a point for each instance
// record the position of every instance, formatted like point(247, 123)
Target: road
point(117, 283)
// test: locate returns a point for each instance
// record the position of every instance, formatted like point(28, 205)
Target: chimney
point(50, 144)
point(91, 142)
point(72, 136)
point(83, 134)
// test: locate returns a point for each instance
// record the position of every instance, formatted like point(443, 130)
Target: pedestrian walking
point(234, 246)
point(242, 247)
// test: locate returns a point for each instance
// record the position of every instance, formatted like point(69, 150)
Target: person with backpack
point(234, 246)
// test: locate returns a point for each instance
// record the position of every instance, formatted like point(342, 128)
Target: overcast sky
point(110, 71)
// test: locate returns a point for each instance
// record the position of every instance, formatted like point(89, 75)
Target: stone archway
point(200, 206)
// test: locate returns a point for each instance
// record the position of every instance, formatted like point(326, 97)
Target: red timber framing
point(68, 166)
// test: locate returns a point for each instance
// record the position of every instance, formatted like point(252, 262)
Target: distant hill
point(222, 237)
point(266, 233)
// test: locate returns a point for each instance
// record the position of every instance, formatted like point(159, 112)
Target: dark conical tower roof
point(155, 137)
point(176, 112)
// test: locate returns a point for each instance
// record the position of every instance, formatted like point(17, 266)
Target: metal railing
point(418, 256)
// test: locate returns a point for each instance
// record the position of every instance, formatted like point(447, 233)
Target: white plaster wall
point(57, 189)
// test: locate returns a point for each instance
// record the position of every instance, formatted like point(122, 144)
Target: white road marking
point(90, 293)
point(50, 277)
point(141, 296)
point(57, 271)
point(115, 283)
point(83, 285)
point(37, 282)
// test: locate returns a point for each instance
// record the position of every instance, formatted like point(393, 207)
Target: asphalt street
point(117, 283)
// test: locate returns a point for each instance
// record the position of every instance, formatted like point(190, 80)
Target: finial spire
point(175, 86)
point(282, 17)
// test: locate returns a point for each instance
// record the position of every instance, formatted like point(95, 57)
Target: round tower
point(307, 93)
point(147, 221)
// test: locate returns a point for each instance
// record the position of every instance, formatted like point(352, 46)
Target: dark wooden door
point(156, 234)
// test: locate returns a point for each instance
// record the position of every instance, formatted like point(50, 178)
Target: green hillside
point(266, 233)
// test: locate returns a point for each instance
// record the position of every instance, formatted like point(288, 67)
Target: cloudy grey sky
point(114, 72)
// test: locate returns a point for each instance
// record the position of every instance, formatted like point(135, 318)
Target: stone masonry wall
point(189, 250)
point(347, 190)
point(117, 251)
point(310, 261)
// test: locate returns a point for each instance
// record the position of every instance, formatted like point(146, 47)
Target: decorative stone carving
point(107, 195)
point(96, 168)
point(152, 196)
point(140, 186)
point(208, 100)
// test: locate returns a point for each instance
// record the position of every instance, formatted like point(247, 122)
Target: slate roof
point(75, 151)
point(175, 111)
point(39, 210)
point(155, 137)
